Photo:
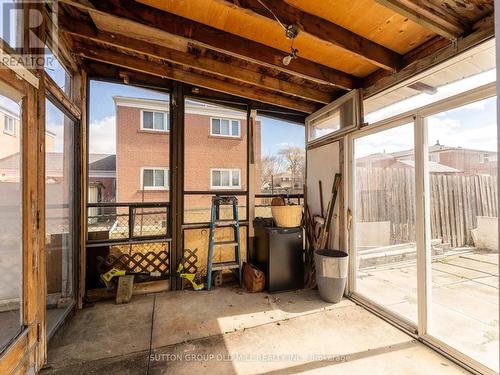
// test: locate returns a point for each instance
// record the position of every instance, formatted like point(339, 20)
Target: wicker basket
point(287, 216)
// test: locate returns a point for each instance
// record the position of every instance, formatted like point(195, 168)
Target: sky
point(471, 126)
point(276, 134)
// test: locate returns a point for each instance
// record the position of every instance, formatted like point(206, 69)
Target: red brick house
point(215, 149)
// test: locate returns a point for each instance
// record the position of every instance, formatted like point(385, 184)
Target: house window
point(224, 127)
point(156, 121)
point(154, 179)
point(225, 179)
point(9, 125)
point(483, 158)
point(434, 157)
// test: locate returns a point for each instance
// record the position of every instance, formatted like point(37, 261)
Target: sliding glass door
point(384, 216)
point(424, 237)
point(462, 172)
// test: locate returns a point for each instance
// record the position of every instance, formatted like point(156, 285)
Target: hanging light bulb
point(288, 58)
point(291, 32)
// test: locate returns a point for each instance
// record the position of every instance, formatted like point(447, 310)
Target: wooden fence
point(456, 201)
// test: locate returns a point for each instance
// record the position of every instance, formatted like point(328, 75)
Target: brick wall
point(137, 148)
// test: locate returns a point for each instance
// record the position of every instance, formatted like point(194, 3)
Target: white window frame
point(9, 120)
point(230, 127)
point(357, 118)
point(166, 121)
point(424, 287)
point(231, 186)
point(166, 178)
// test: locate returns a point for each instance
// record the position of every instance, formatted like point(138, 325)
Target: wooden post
point(177, 173)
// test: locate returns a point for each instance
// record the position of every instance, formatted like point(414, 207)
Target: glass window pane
point(11, 249)
point(385, 220)
point(225, 127)
point(216, 179)
point(159, 178)
point(225, 177)
point(159, 121)
point(148, 177)
point(215, 126)
point(341, 116)
point(235, 128)
point(236, 178)
point(57, 72)
point(464, 222)
point(60, 211)
point(147, 120)
point(11, 14)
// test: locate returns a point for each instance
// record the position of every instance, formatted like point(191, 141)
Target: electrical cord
point(274, 15)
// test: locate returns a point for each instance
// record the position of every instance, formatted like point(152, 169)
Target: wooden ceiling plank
point(222, 41)
point(165, 71)
point(80, 30)
point(323, 29)
point(441, 24)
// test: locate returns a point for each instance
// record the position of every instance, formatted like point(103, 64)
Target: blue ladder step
point(225, 266)
point(225, 223)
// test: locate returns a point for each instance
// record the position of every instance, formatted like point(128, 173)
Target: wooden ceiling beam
point(135, 63)
point(222, 41)
point(322, 29)
point(433, 19)
point(82, 31)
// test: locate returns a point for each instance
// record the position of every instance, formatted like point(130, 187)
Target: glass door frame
point(20, 355)
point(76, 222)
point(424, 284)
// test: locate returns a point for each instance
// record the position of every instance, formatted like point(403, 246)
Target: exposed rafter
point(224, 42)
point(433, 19)
point(138, 64)
point(324, 30)
point(83, 31)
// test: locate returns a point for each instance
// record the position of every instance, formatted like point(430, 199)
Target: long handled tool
point(331, 207)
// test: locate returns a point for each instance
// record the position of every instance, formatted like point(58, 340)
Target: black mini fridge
point(279, 254)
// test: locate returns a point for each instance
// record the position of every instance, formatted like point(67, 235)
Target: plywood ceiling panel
point(223, 16)
point(371, 20)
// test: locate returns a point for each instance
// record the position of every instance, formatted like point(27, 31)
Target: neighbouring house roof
point(54, 163)
point(103, 163)
point(439, 148)
point(433, 166)
point(192, 107)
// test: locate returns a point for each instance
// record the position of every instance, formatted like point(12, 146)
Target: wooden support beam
point(432, 19)
point(212, 38)
point(323, 30)
point(178, 74)
point(79, 31)
point(60, 96)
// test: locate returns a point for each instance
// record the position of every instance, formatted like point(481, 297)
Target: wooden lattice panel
point(138, 262)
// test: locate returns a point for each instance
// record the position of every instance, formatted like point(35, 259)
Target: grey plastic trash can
point(331, 273)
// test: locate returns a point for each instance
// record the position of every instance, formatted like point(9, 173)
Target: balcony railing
point(127, 222)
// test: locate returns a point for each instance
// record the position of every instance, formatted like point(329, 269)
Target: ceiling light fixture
point(291, 32)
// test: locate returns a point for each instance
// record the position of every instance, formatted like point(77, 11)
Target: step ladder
point(216, 222)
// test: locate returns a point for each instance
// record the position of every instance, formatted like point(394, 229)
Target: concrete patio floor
point(228, 331)
point(464, 305)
